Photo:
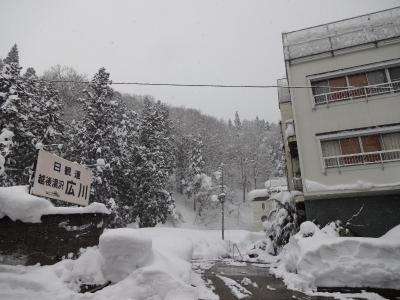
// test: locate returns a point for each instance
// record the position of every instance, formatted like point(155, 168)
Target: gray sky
point(187, 41)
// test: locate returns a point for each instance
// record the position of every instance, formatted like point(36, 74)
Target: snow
point(124, 251)
point(260, 193)
point(18, 204)
point(247, 281)
point(276, 182)
point(5, 140)
point(39, 146)
point(285, 196)
point(341, 34)
point(147, 263)
point(289, 131)
point(323, 259)
point(237, 290)
point(274, 185)
point(313, 186)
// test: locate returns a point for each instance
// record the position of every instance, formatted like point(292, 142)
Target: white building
point(261, 204)
point(347, 126)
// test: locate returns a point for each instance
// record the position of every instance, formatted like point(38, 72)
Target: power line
point(211, 85)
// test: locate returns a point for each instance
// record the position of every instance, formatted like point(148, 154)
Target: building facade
point(344, 103)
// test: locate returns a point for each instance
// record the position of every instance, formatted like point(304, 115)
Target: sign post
point(60, 179)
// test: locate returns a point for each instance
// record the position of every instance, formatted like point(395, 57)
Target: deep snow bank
point(18, 204)
point(149, 263)
point(319, 258)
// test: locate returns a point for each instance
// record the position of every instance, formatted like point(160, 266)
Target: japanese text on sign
point(60, 179)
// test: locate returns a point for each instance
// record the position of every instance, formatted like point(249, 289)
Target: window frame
point(363, 157)
point(363, 92)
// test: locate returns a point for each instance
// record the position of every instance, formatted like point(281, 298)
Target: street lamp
point(221, 198)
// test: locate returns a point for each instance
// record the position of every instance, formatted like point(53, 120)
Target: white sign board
point(60, 179)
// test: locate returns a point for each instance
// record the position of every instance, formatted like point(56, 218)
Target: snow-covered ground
point(149, 263)
point(238, 215)
point(156, 263)
point(320, 258)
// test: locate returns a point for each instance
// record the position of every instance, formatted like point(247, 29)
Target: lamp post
point(221, 198)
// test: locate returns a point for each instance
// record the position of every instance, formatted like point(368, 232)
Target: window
point(263, 205)
point(366, 149)
point(358, 80)
point(338, 85)
point(371, 143)
point(376, 77)
point(350, 146)
point(359, 85)
point(394, 73)
point(395, 77)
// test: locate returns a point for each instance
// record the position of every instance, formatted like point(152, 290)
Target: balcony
point(377, 157)
point(357, 92)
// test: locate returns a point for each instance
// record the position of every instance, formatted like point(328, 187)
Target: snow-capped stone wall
point(33, 230)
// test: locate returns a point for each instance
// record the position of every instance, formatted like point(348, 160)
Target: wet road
point(268, 287)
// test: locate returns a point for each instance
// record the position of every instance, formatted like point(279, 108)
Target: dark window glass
point(394, 73)
point(320, 87)
point(376, 77)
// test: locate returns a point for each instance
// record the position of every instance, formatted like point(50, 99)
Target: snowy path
point(229, 280)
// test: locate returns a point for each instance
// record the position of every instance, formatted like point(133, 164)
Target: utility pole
point(221, 198)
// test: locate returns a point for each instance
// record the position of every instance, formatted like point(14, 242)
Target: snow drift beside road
point(319, 258)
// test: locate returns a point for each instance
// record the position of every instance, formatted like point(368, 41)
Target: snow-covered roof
point(341, 34)
point(256, 194)
point(276, 182)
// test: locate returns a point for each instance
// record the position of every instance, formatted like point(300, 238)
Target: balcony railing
point(361, 158)
point(357, 92)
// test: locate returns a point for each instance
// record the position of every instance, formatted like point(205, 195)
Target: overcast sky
point(187, 41)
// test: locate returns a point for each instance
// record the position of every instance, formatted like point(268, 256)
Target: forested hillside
point(141, 151)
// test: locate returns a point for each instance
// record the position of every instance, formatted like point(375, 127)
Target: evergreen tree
point(96, 142)
point(154, 164)
point(195, 168)
point(30, 110)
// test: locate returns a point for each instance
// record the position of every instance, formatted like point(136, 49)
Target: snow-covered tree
point(154, 162)
point(195, 172)
point(96, 143)
point(29, 110)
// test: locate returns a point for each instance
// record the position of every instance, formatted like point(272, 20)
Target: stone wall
point(57, 236)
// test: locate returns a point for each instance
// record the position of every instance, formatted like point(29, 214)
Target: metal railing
point(357, 92)
point(366, 158)
point(370, 28)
